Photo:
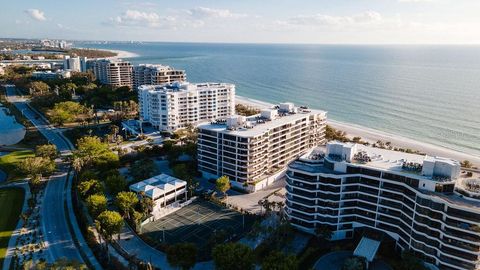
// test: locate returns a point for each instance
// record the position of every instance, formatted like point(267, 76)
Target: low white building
point(49, 75)
point(163, 189)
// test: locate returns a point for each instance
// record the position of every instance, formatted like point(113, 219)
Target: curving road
point(57, 202)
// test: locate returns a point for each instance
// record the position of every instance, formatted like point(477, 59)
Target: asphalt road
point(54, 225)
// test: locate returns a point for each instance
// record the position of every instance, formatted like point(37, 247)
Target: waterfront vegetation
point(11, 200)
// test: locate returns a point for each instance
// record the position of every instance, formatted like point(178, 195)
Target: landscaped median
point(11, 201)
point(9, 163)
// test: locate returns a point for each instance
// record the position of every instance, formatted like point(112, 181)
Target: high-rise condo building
point(427, 205)
point(254, 151)
point(176, 105)
point(113, 72)
point(75, 63)
point(147, 74)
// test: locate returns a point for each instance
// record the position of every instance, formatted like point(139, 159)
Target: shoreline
point(372, 135)
point(120, 54)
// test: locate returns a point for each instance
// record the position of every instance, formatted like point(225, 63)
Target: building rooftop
point(258, 124)
point(367, 248)
point(158, 67)
point(439, 169)
point(182, 86)
point(157, 185)
point(467, 181)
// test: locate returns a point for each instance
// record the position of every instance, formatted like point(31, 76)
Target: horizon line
point(250, 43)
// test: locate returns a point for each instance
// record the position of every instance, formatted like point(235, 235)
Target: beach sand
point(372, 135)
point(122, 54)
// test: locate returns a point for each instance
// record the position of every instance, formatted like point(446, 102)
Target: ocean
point(428, 93)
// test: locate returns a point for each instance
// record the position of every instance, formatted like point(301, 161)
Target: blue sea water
point(428, 93)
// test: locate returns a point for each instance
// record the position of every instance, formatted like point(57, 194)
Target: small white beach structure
point(11, 132)
point(163, 189)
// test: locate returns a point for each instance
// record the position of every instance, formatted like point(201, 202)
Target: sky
point(247, 21)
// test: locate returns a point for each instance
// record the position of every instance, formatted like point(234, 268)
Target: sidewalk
point(134, 245)
point(16, 233)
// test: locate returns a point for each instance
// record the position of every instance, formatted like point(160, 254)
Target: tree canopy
point(38, 88)
point(279, 261)
point(91, 151)
point(115, 183)
point(233, 256)
point(126, 201)
point(223, 184)
point(142, 169)
point(89, 187)
point(109, 223)
point(354, 263)
point(66, 112)
point(37, 166)
point(96, 204)
point(46, 151)
point(182, 255)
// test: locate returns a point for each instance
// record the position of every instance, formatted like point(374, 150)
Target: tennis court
point(197, 223)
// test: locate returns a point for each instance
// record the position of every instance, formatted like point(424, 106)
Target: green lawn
point(11, 203)
point(8, 163)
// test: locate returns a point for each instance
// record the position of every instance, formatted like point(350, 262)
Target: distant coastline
point(372, 135)
point(119, 53)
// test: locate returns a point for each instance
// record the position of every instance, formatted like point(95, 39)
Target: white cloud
point(174, 19)
point(36, 14)
point(208, 13)
point(137, 18)
point(414, 1)
point(367, 17)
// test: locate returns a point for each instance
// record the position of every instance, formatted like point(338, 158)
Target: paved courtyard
point(249, 202)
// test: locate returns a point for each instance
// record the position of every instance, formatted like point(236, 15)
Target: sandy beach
point(122, 54)
point(372, 135)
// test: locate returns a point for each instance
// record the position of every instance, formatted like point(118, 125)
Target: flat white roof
point(367, 248)
point(183, 87)
point(257, 128)
point(388, 159)
point(157, 67)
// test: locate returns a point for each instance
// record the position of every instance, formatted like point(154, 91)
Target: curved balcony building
point(427, 204)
